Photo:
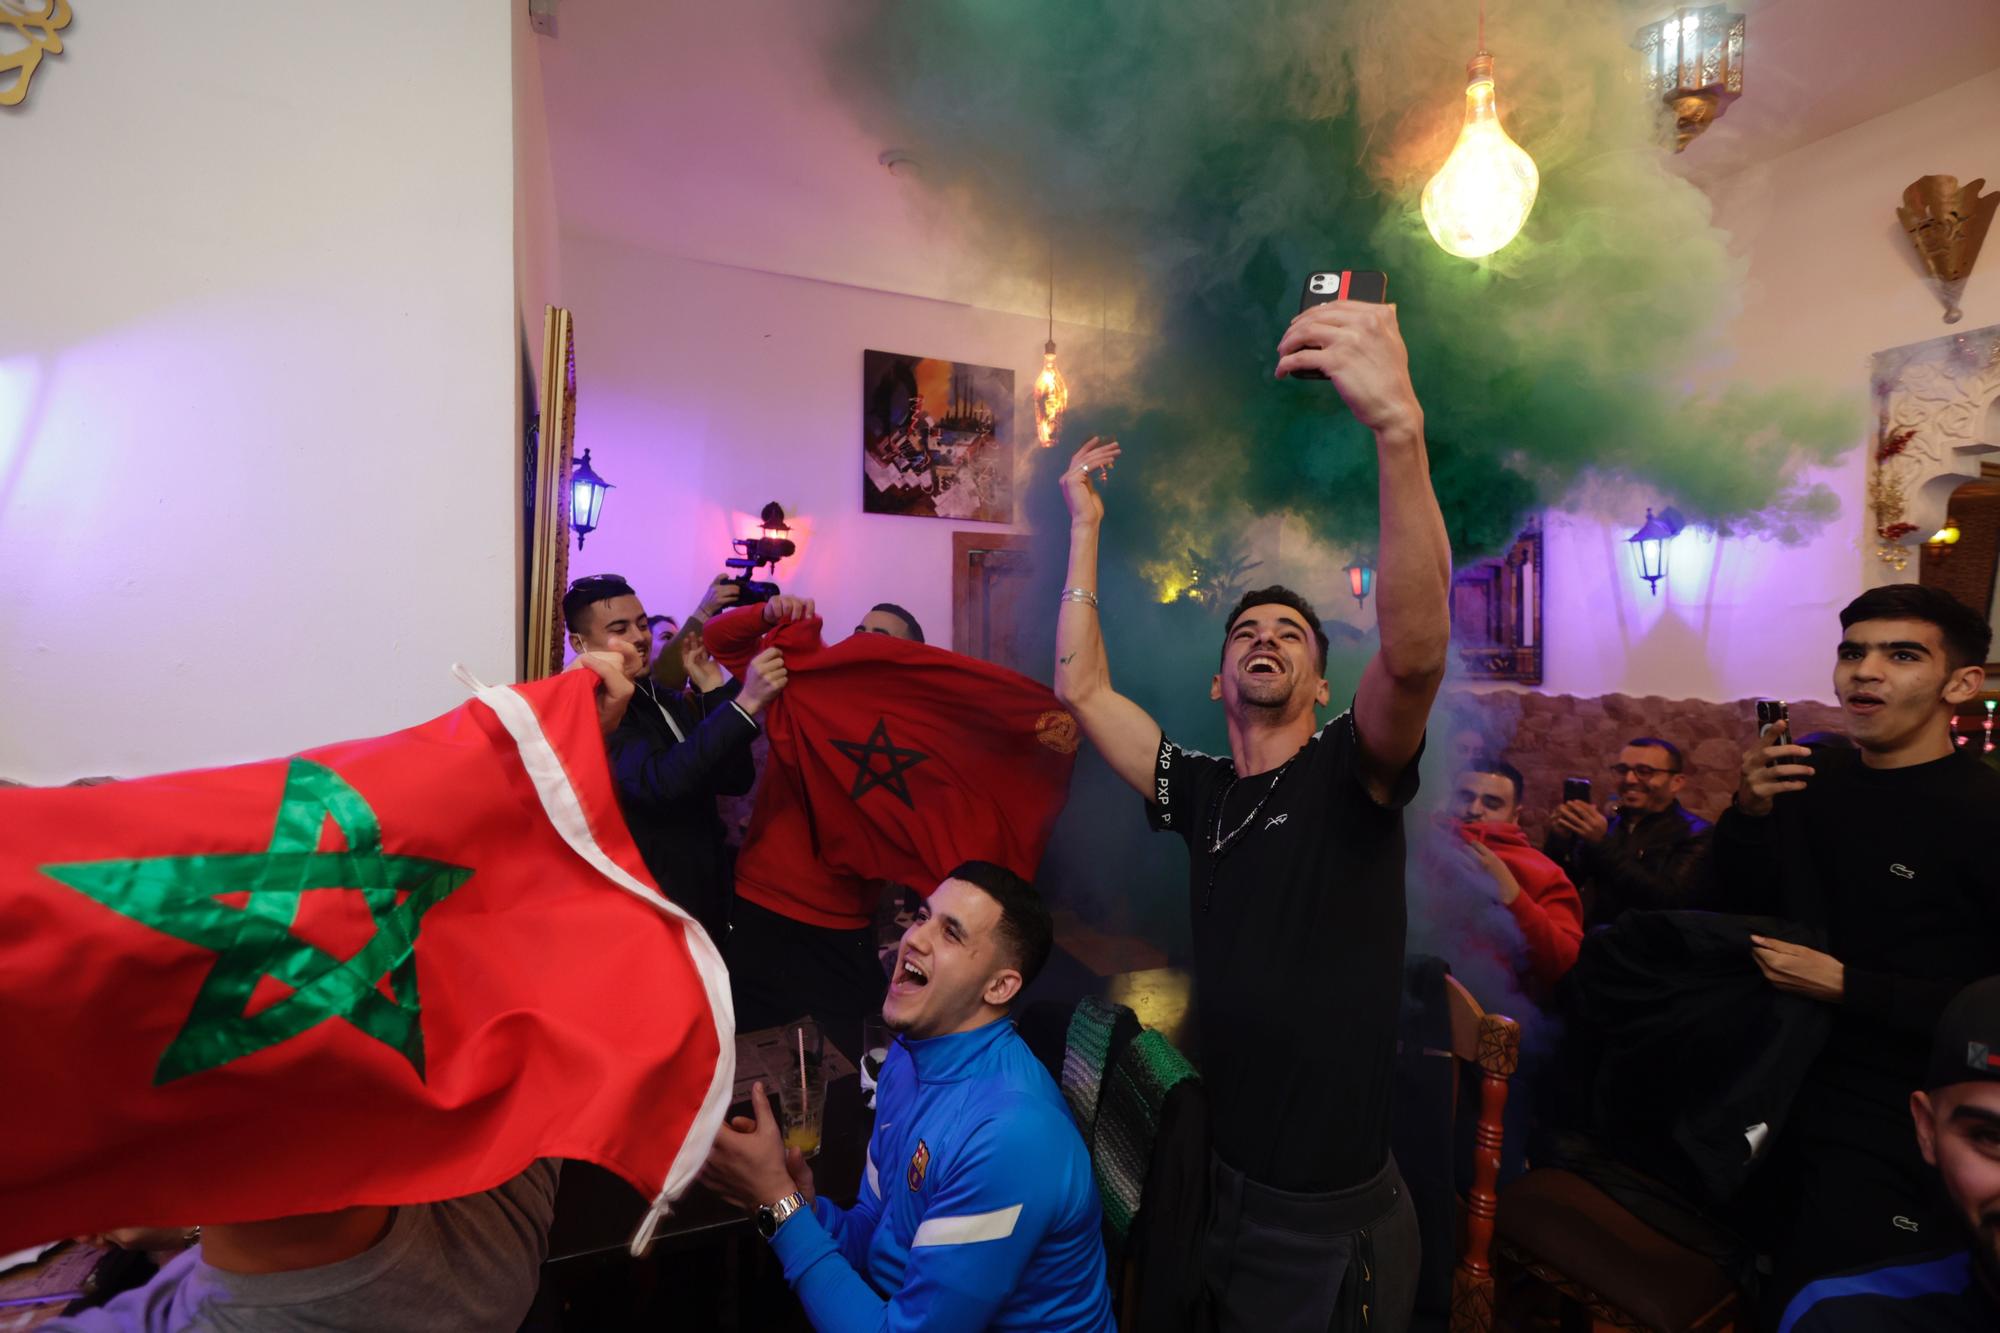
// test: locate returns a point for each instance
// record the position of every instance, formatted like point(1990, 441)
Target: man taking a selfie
point(1295, 853)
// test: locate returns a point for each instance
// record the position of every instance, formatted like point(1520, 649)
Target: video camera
point(758, 552)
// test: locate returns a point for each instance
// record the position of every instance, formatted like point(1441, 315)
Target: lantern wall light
point(1694, 63)
point(1360, 579)
point(586, 497)
point(1650, 543)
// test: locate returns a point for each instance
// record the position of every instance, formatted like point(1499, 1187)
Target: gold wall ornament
point(1694, 63)
point(1947, 225)
point(37, 26)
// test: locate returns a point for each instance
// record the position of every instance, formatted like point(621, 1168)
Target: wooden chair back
point(1491, 1043)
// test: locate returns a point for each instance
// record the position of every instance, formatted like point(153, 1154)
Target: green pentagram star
point(177, 895)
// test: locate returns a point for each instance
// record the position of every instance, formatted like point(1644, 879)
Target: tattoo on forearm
point(1068, 659)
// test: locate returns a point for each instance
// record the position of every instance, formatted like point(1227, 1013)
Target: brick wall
point(1553, 736)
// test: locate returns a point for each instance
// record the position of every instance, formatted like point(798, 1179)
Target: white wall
point(1832, 280)
point(257, 368)
point(705, 391)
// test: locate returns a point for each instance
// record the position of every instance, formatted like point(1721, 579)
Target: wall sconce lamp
point(1694, 63)
point(586, 497)
point(1947, 225)
point(1360, 579)
point(1941, 541)
point(1649, 544)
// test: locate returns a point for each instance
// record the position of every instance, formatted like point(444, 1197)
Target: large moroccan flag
point(389, 971)
point(891, 760)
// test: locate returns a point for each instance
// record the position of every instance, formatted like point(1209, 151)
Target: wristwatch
point(771, 1216)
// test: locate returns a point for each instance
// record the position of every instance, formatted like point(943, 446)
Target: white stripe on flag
point(996, 1225)
point(565, 810)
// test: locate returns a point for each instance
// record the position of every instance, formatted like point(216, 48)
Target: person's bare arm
point(1359, 348)
point(1123, 732)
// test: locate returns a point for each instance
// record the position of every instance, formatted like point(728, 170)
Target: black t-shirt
point(1298, 948)
point(1896, 866)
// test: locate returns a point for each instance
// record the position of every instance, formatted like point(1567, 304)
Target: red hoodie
point(1548, 909)
point(890, 760)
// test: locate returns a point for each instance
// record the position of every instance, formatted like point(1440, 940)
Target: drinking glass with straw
point(802, 1087)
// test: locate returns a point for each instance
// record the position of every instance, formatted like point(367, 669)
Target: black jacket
point(667, 786)
point(1679, 1050)
point(1656, 861)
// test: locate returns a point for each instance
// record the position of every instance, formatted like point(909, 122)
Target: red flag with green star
point(389, 971)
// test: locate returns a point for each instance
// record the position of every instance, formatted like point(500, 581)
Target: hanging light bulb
point(1480, 197)
point(1051, 389)
point(1051, 397)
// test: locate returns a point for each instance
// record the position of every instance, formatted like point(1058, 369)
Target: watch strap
point(774, 1215)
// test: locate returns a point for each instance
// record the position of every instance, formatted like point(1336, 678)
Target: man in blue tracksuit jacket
point(1958, 1131)
point(978, 1208)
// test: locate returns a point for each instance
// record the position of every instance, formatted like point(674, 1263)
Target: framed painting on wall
point(937, 438)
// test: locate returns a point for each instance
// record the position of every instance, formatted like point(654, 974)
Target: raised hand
point(1359, 347)
point(722, 592)
point(763, 681)
point(616, 670)
point(788, 608)
point(1770, 769)
point(1096, 455)
point(701, 668)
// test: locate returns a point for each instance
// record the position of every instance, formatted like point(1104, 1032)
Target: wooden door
point(989, 574)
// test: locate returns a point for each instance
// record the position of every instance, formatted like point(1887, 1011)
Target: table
point(597, 1211)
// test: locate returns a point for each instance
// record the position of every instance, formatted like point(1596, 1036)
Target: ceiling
point(675, 126)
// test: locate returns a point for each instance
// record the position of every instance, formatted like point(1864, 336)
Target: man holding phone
point(1649, 852)
point(1886, 848)
point(1295, 850)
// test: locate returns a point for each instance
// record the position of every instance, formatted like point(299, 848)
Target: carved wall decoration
point(1938, 414)
point(36, 23)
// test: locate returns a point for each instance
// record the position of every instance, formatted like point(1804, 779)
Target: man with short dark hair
point(1957, 1119)
point(1886, 849)
point(1295, 860)
point(1652, 852)
point(888, 618)
point(670, 759)
point(1544, 904)
point(979, 1207)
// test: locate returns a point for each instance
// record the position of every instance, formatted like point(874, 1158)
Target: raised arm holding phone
point(1295, 845)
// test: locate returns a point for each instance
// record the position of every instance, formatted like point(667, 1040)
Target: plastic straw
point(805, 1093)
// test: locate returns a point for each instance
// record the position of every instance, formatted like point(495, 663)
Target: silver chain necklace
point(1220, 844)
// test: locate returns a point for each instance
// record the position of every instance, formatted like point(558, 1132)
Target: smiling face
point(1958, 1131)
point(1485, 798)
point(1897, 688)
point(954, 970)
point(1270, 664)
point(1647, 782)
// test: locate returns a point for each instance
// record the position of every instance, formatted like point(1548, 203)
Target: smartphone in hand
point(1576, 789)
point(1340, 285)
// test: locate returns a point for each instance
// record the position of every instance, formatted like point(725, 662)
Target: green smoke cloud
point(1205, 157)
point(1198, 160)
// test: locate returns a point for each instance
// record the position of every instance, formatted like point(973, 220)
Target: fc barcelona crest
point(920, 1162)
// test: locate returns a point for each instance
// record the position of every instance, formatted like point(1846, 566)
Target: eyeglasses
point(1643, 772)
point(589, 579)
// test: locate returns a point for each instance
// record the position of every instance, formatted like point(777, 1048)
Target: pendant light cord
point(1052, 281)
point(1482, 27)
